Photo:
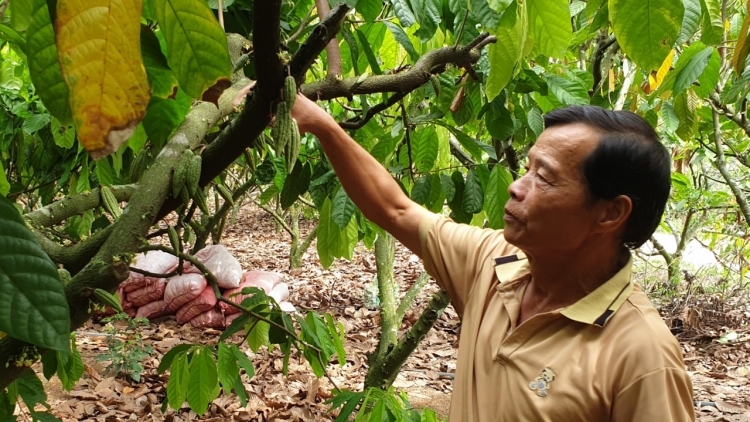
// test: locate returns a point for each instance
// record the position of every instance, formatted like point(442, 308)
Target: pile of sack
point(189, 296)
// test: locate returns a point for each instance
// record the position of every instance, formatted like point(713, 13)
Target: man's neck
point(559, 280)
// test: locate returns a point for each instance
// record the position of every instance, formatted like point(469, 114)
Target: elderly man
point(553, 327)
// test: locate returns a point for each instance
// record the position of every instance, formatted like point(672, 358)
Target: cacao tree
point(150, 104)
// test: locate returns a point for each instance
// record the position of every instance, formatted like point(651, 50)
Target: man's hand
point(310, 117)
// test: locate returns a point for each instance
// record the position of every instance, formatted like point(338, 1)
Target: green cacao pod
point(283, 122)
point(193, 177)
point(64, 276)
point(293, 146)
point(290, 91)
point(110, 202)
point(200, 198)
point(138, 166)
point(108, 299)
point(180, 172)
point(174, 239)
point(225, 193)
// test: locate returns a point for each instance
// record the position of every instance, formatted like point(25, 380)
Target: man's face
point(548, 208)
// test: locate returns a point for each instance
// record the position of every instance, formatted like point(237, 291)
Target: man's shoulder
point(640, 330)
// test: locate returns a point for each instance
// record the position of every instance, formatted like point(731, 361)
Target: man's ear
point(615, 213)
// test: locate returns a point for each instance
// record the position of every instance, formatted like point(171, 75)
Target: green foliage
point(125, 347)
point(376, 405)
point(33, 302)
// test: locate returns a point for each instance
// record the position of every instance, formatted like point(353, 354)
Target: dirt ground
point(720, 371)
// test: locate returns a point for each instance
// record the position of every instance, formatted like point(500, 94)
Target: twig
point(154, 275)
point(629, 77)
point(461, 31)
point(407, 137)
point(721, 166)
point(221, 14)
point(301, 25)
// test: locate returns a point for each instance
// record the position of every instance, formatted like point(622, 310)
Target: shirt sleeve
point(665, 394)
point(455, 254)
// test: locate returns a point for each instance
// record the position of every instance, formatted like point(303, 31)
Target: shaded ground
point(720, 372)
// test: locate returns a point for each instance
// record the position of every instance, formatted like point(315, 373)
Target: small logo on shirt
point(542, 383)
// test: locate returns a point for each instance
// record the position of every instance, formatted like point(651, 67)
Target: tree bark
point(384, 371)
point(385, 250)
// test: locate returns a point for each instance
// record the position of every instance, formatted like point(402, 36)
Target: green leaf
point(567, 91)
point(669, 117)
point(646, 29)
point(457, 204)
point(296, 184)
point(203, 387)
point(712, 26)
point(69, 367)
point(342, 209)
point(33, 306)
point(369, 9)
point(449, 188)
point(499, 5)
point(402, 39)
point(403, 11)
point(138, 139)
point(351, 400)
point(684, 108)
point(550, 27)
point(498, 120)
point(179, 379)
point(160, 77)
point(425, 148)
point(710, 77)
point(4, 185)
point(196, 44)
point(473, 195)
point(21, 14)
point(484, 14)
point(508, 50)
point(258, 336)
point(162, 117)
point(536, 121)
point(64, 135)
point(31, 390)
point(229, 369)
point(166, 361)
point(692, 70)
point(690, 21)
point(324, 335)
point(325, 254)
point(421, 191)
point(239, 389)
point(427, 15)
point(243, 361)
point(44, 69)
point(496, 196)
point(104, 172)
point(337, 334)
point(371, 59)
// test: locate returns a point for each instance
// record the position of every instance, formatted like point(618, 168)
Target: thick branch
point(411, 296)
point(385, 248)
point(384, 371)
point(729, 111)
point(721, 164)
point(599, 54)
point(662, 251)
point(59, 211)
point(75, 257)
point(333, 53)
point(319, 38)
point(406, 81)
point(459, 153)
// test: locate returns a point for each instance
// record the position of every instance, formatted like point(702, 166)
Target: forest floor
point(720, 371)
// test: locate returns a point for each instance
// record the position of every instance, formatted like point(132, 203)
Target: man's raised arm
point(366, 181)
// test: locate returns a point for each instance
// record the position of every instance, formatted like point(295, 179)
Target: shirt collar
point(596, 308)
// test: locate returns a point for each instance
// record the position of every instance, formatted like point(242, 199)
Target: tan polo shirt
point(607, 357)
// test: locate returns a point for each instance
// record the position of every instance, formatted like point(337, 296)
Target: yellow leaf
point(98, 44)
point(742, 48)
point(612, 80)
point(663, 70)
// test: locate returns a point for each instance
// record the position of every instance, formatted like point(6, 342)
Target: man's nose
point(517, 190)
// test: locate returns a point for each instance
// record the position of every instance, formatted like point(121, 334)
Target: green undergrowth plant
point(126, 349)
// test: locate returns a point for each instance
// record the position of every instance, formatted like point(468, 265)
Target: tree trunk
point(385, 250)
point(384, 370)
